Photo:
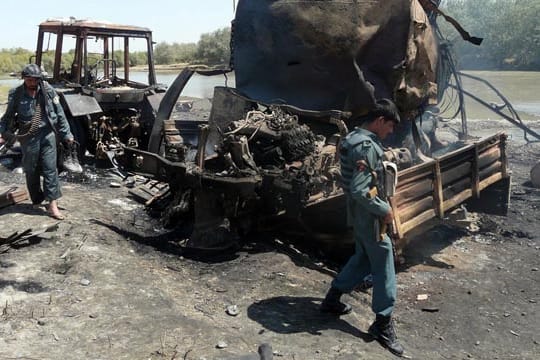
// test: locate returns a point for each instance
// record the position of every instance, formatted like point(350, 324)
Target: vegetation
point(174, 53)
point(212, 49)
point(4, 89)
point(510, 29)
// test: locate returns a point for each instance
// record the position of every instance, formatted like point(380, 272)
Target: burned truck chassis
point(265, 165)
point(280, 162)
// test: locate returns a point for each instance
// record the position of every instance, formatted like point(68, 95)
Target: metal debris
point(12, 195)
point(232, 310)
point(114, 184)
point(19, 237)
point(222, 345)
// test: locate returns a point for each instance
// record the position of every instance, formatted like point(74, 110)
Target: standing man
point(34, 110)
point(362, 175)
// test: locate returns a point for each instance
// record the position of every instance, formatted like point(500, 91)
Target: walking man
point(363, 183)
point(34, 110)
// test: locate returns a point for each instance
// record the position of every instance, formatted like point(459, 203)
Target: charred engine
point(265, 164)
point(295, 164)
point(122, 125)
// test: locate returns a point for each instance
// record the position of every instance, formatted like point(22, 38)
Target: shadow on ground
point(289, 315)
point(31, 287)
point(170, 243)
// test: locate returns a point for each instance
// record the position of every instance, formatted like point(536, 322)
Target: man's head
point(31, 75)
point(382, 119)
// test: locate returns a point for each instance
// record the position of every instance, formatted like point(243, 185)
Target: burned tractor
point(90, 69)
point(306, 72)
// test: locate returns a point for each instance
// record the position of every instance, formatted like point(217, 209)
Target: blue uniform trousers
point(39, 159)
point(371, 257)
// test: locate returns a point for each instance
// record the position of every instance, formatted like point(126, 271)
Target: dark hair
point(385, 108)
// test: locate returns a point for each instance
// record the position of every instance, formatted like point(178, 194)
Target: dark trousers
point(371, 257)
point(39, 159)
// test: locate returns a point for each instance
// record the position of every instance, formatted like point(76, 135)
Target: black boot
point(332, 305)
point(71, 161)
point(383, 331)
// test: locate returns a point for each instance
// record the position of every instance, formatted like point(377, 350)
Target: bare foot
point(53, 211)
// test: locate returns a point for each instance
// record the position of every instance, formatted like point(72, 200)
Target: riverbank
point(169, 67)
point(4, 90)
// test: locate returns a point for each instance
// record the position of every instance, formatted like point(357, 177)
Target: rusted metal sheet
point(72, 26)
point(81, 104)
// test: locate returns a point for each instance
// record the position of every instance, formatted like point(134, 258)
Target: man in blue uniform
point(34, 110)
point(362, 175)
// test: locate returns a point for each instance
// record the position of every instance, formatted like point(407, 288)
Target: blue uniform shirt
point(24, 110)
point(357, 178)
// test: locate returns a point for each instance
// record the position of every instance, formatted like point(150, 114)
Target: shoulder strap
point(46, 90)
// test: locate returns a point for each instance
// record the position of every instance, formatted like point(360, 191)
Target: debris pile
point(12, 195)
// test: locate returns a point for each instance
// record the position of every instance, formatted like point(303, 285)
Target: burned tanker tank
point(306, 72)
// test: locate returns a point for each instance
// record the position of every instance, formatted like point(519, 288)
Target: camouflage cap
point(31, 70)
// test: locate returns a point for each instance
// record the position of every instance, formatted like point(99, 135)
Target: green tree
point(184, 53)
point(509, 28)
point(13, 60)
point(163, 54)
point(213, 48)
point(138, 58)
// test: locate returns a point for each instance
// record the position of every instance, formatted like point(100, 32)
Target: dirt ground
point(111, 283)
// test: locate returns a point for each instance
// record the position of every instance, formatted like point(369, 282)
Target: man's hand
point(384, 223)
point(389, 217)
point(8, 138)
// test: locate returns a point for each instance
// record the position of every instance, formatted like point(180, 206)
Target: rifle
point(7, 144)
point(12, 133)
point(390, 178)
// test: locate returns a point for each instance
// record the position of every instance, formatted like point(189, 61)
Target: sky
point(180, 21)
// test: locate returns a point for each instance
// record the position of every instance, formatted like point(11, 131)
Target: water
point(519, 87)
point(198, 86)
point(12, 82)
